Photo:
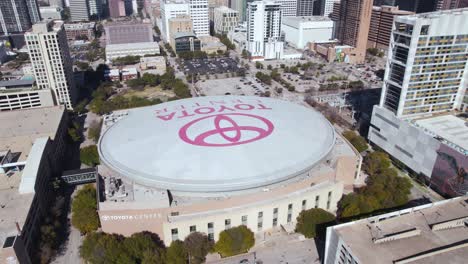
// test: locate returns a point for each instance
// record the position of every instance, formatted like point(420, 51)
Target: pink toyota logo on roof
point(228, 130)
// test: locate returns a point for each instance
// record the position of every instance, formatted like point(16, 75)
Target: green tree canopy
point(384, 189)
point(197, 245)
point(176, 253)
point(84, 210)
point(94, 131)
point(235, 241)
point(376, 162)
point(89, 155)
point(356, 140)
point(309, 220)
point(144, 247)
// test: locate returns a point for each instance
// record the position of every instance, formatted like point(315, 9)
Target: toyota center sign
point(216, 144)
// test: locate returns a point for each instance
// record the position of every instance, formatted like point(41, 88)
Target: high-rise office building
point(425, 83)
point(18, 15)
point(116, 8)
point(288, 7)
point(328, 6)
point(241, 7)
point(33, 10)
point(51, 62)
point(264, 30)
point(172, 9)
point(427, 60)
point(309, 8)
point(451, 4)
point(225, 19)
point(95, 8)
point(381, 25)
point(79, 10)
point(352, 26)
point(200, 17)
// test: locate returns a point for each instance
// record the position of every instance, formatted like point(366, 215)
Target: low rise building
point(112, 75)
point(119, 33)
point(81, 30)
point(212, 45)
point(434, 147)
point(179, 24)
point(114, 51)
point(22, 94)
point(154, 65)
point(185, 41)
point(332, 51)
point(50, 12)
point(225, 19)
point(301, 30)
point(430, 234)
point(129, 73)
point(32, 151)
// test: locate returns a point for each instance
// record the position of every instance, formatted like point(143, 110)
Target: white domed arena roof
point(216, 144)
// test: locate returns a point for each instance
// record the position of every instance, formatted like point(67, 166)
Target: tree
point(258, 65)
point(74, 132)
point(181, 90)
point(94, 131)
point(356, 140)
point(245, 54)
point(310, 222)
point(197, 245)
point(89, 155)
point(84, 210)
point(80, 108)
point(145, 246)
point(234, 241)
point(176, 253)
point(376, 162)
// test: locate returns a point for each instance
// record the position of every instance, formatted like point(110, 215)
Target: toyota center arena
point(210, 163)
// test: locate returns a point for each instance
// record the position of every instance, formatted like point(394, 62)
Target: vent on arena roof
point(9, 241)
point(453, 223)
point(397, 235)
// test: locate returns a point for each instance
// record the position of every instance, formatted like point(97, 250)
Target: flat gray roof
point(24, 132)
point(359, 236)
point(449, 127)
point(15, 83)
point(216, 143)
point(132, 46)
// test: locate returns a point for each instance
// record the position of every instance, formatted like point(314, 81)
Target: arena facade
point(210, 163)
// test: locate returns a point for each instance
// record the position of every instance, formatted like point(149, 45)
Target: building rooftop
point(23, 136)
point(189, 153)
point(132, 46)
point(16, 84)
point(449, 127)
point(184, 35)
point(79, 25)
point(226, 9)
point(431, 233)
point(436, 14)
point(129, 71)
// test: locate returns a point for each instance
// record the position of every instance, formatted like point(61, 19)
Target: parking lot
point(232, 86)
point(209, 66)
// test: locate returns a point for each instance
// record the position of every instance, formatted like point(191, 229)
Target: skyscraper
point(381, 25)
point(328, 6)
point(18, 15)
point(200, 17)
point(95, 7)
point(241, 7)
point(171, 9)
point(352, 27)
point(288, 7)
point(264, 30)
point(116, 8)
point(79, 10)
point(51, 62)
point(426, 67)
point(418, 120)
